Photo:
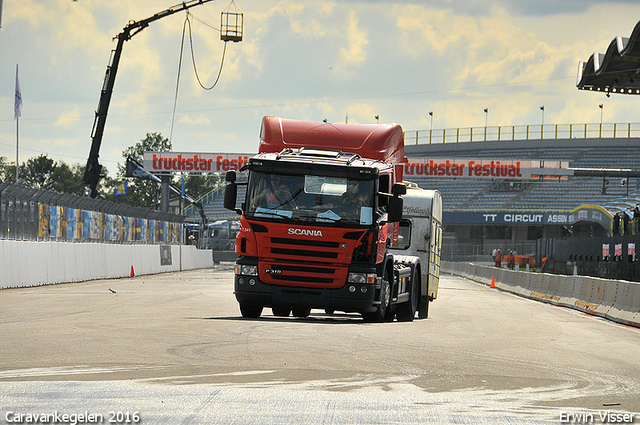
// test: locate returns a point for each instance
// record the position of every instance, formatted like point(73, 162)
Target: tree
point(68, 179)
point(36, 173)
point(199, 185)
point(6, 169)
point(141, 193)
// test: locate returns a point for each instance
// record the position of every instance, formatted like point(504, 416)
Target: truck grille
point(305, 262)
point(302, 242)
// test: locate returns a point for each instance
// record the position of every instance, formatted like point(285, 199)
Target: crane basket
point(231, 22)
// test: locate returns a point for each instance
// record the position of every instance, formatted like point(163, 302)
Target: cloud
point(481, 50)
point(362, 113)
point(424, 29)
point(354, 53)
point(198, 119)
point(250, 53)
point(68, 118)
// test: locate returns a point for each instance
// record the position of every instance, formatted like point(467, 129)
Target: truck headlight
point(362, 278)
point(246, 269)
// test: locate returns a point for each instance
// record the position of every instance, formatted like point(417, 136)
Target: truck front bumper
point(360, 298)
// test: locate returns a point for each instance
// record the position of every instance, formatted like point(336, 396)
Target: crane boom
point(93, 171)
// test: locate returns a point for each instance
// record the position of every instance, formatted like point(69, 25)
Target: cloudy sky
point(310, 60)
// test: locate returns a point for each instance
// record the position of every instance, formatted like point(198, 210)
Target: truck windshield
point(309, 198)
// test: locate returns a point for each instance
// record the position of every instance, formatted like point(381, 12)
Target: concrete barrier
point(599, 290)
point(26, 263)
point(520, 283)
point(620, 298)
point(629, 306)
point(567, 291)
point(615, 300)
point(613, 292)
point(219, 256)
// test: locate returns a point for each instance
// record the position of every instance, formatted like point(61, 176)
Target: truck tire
point(423, 306)
point(407, 311)
point(250, 311)
point(423, 309)
point(301, 312)
point(281, 311)
point(381, 312)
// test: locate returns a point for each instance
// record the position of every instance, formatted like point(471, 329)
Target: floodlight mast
point(93, 171)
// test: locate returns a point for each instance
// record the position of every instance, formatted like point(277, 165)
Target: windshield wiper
point(275, 213)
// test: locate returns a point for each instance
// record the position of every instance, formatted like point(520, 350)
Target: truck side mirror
point(399, 189)
point(394, 209)
point(230, 195)
point(230, 176)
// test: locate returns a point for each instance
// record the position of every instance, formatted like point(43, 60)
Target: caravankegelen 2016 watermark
point(55, 417)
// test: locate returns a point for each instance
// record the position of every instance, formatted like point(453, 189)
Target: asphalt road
point(173, 348)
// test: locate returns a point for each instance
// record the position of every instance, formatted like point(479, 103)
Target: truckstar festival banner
point(172, 162)
point(512, 169)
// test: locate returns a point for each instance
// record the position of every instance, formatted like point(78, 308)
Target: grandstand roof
point(617, 70)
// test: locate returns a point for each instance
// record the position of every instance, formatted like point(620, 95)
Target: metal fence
point(42, 215)
point(523, 132)
point(611, 257)
point(481, 252)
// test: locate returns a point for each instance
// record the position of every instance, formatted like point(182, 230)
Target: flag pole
point(17, 109)
point(17, 143)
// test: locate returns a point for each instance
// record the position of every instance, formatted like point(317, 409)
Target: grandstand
point(212, 205)
point(480, 215)
point(554, 195)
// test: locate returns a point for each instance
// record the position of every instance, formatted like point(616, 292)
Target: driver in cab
point(352, 195)
point(276, 195)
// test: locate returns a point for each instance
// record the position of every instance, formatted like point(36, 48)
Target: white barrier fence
point(26, 263)
point(615, 300)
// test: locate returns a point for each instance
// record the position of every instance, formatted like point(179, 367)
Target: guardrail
point(615, 300)
point(523, 132)
point(44, 215)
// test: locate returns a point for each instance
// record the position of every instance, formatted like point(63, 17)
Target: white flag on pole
point(17, 107)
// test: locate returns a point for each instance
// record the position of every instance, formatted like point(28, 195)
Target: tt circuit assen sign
point(589, 213)
point(512, 169)
point(173, 162)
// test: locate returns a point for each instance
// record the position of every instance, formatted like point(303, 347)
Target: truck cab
point(221, 235)
point(317, 222)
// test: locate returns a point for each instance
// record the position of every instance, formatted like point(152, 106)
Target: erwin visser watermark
point(604, 417)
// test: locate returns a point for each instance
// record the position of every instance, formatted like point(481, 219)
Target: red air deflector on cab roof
point(383, 142)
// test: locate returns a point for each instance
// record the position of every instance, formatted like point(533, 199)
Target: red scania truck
point(323, 225)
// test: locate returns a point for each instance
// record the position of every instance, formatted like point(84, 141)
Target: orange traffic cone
point(493, 280)
point(132, 274)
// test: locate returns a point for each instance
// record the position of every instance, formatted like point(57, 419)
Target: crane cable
point(187, 21)
point(193, 58)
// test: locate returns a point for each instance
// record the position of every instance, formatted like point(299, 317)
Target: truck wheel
point(407, 311)
point(281, 311)
point(301, 312)
point(423, 309)
point(250, 311)
point(379, 315)
point(390, 314)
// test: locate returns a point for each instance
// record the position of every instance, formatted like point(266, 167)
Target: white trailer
point(419, 246)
